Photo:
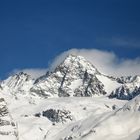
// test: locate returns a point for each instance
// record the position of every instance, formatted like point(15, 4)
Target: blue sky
point(33, 32)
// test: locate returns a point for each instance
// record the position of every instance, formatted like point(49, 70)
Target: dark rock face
point(129, 89)
point(127, 79)
point(91, 86)
point(56, 116)
point(6, 122)
point(68, 138)
point(124, 79)
point(125, 93)
point(138, 138)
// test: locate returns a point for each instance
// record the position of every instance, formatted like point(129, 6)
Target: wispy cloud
point(34, 72)
point(106, 62)
point(120, 41)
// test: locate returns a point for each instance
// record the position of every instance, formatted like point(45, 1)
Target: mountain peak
point(75, 76)
point(77, 63)
point(17, 81)
point(71, 56)
point(74, 58)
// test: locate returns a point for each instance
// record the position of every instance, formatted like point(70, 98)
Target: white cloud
point(35, 73)
point(125, 42)
point(106, 62)
point(120, 42)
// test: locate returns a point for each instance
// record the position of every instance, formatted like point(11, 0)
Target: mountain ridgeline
point(76, 77)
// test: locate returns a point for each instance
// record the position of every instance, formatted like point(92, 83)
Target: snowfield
point(86, 113)
point(92, 118)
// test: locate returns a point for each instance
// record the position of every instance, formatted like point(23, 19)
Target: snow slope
point(31, 126)
point(8, 128)
point(108, 83)
point(121, 124)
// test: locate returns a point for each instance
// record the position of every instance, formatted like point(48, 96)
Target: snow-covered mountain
point(8, 128)
point(73, 102)
point(73, 77)
point(129, 90)
point(18, 83)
